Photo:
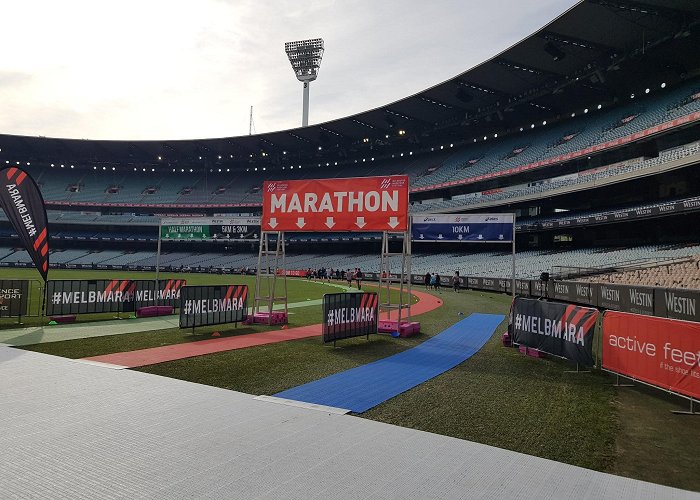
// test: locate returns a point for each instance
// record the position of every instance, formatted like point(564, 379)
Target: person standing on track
point(426, 280)
point(358, 278)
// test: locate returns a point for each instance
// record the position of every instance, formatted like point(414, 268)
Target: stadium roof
point(599, 51)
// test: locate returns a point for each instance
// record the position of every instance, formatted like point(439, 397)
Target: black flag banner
point(24, 206)
point(564, 330)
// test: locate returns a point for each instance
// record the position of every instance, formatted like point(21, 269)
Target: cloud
point(175, 69)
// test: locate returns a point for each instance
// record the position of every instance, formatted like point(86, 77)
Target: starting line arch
point(360, 204)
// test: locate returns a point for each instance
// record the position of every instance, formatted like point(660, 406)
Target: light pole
point(305, 57)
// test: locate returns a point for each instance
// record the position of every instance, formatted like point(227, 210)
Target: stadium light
point(305, 57)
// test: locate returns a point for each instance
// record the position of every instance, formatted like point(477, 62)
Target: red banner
point(24, 206)
point(662, 352)
point(330, 205)
point(299, 273)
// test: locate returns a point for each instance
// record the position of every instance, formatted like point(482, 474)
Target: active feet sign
point(353, 204)
point(659, 351)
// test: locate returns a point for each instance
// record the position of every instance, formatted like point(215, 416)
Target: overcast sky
point(176, 69)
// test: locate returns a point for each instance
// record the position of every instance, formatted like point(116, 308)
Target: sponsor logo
point(610, 294)
point(547, 327)
point(680, 305)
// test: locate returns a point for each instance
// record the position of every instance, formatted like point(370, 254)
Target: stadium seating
point(445, 164)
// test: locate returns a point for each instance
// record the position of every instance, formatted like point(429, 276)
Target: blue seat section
point(364, 387)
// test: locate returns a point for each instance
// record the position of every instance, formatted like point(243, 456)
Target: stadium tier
point(428, 169)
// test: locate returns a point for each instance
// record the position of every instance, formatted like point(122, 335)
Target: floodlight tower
point(305, 57)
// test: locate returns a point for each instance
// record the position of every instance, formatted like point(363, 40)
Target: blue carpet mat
point(364, 387)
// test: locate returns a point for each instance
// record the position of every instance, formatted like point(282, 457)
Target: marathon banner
point(14, 298)
point(89, 296)
point(208, 227)
point(348, 315)
point(22, 202)
point(483, 228)
point(659, 351)
point(564, 330)
point(323, 205)
point(213, 305)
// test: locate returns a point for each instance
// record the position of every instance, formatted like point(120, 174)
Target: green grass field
point(497, 397)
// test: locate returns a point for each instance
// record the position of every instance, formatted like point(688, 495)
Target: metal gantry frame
point(385, 279)
point(269, 262)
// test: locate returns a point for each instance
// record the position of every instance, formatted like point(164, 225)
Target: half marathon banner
point(348, 315)
point(14, 298)
point(213, 305)
point(24, 207)
point(485, 228)
point(323, 205)
point(659, 351)
point(101, 296)
point(563, 330)
point(208, 227)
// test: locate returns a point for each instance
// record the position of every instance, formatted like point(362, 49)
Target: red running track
point(154, 355)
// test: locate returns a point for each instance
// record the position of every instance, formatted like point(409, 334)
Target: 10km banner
point(563, 330)
point(659, 351)
point(213, 305)
point(348, 315)
point(101, 296)
point(354, 204)
point(457, 228)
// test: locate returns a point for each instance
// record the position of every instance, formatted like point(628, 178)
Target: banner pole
point(512, 286)
point(44, 291)
point(160, 229)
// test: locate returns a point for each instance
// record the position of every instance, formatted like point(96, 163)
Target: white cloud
point(181, 69)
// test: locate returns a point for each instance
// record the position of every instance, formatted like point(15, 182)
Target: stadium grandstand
point(590, 136)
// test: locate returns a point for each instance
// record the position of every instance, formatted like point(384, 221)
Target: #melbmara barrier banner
point(563, 330)
point(22, 202)
point(485, 228)
point(14, 298)
point(353, 204)
point(100, 296)
point(659, 351)
point(348, 315)
point(213, 305)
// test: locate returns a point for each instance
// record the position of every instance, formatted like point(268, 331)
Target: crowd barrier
point(348, 315)
point(213, 305)
point(70, 297)
point(674, 303)
point(20, 298)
